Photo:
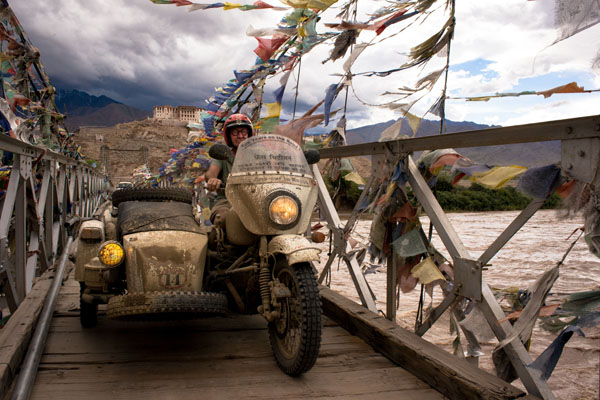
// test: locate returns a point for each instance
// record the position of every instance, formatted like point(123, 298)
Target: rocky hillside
point(124, 145)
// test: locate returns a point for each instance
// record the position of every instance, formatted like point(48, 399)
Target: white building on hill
point(181, 113)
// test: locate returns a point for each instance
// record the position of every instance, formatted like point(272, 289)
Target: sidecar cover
point(142, 216)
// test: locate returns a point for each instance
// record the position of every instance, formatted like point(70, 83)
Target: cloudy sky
point(144, 54)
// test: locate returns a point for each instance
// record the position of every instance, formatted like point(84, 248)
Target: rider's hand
point(213, 184)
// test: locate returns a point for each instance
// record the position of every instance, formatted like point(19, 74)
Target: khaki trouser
point(218, 212)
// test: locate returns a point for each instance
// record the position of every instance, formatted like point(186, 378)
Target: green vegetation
point(479, 198)
point(451, 198)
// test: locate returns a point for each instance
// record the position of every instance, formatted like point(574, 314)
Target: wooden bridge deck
point(210, 358)
point(230, 357)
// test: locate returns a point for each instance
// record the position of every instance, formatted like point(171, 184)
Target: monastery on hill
point(181, 113)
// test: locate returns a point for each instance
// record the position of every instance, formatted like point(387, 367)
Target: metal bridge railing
point(580, 159)
point(46, 193)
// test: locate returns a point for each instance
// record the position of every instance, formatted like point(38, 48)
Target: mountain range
point(526, 155)
point(83, 109)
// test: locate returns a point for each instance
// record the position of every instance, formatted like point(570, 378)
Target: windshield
point(265, 153)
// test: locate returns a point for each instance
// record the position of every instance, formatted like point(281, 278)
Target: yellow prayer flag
point(426, 271)
point(296, 3)
point(354, 177)
point(496, 177)
point(230, 6)
point(414, 122)
point(320, 4)
point(273, 110)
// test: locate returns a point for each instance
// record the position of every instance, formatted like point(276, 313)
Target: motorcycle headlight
point(284, 210)
point(111, 254)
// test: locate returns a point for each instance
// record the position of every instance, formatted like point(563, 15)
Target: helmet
point(236, 120)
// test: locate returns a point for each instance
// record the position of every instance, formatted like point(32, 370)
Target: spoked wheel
point(88, 313)
point(296, 336)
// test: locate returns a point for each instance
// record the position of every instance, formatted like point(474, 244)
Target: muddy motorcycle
point(149, 255)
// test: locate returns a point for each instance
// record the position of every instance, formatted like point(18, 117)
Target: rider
point(237, 128)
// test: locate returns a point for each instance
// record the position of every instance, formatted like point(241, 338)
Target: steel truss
point(580, 138)
point(46, 194)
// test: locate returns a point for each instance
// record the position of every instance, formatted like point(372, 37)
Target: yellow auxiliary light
point(111, 254)
point(283, 210)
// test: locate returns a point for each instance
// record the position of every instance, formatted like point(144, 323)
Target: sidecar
point(145, 257)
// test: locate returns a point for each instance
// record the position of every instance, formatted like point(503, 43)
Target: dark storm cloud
point(137, 52)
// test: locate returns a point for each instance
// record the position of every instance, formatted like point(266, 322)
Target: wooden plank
point(225, 357)
point(16, 334)
point(451, 376)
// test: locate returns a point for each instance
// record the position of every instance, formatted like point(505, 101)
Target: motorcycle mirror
point(219, 151)
point(312, 156)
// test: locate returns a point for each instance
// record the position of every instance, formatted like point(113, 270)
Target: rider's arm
point(211, 177)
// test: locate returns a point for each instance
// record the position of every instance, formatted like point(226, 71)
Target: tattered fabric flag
point(546, 361)
point(498, 176)
point(320, 4)
point(178, 2)
point(573, 16)
point(266, 47)
point(539, 182)
point(354, 177)
point(285, 77)
point(429, 158)
point(295, 128)
point(447, 160)
point(392, 132)
point(345, 25)
point(273, 109)
point(243, 76)
point(426, 272)
point(268, 125)
point(568, 88)
point(414, 122)
point(538, 290)
point(354, 55)
point(195, 7)
point(437, 108)
point(279, 94)
point(330, 95)
point(596, 63)
point(258, 32)
point(409, 244)
point(380, 26)
point(342, 44)
point(231, 6)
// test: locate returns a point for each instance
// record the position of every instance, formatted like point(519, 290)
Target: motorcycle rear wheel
point(296, 336)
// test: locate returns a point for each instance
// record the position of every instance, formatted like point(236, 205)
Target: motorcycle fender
point(295, 248)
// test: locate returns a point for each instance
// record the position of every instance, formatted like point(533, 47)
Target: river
point(537, 247)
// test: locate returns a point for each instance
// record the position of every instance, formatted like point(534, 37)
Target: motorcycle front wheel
point(296, 336)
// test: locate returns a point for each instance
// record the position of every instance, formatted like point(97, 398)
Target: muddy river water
point(538, 246)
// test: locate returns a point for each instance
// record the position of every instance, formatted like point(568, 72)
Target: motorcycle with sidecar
point(150, 256)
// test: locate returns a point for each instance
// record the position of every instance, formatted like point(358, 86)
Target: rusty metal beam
point(574, 128)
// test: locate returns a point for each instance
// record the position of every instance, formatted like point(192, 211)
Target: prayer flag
point(496, 177)
point(426, 272)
